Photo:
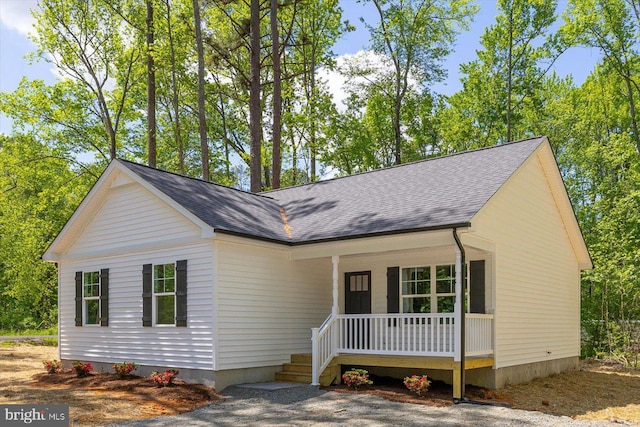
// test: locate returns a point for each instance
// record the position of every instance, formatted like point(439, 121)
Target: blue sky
point(15, 23)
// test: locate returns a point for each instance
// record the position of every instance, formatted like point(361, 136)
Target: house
point(366, 270)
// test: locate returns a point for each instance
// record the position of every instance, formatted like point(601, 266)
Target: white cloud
point(16, 15)
point(379, 68)
point(336, 80)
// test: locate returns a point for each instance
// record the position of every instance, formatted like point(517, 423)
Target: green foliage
point(63, 133)
point(417, 384)
point(356, 378)
point(504, 81)
point(29, 332)
point(38, 192)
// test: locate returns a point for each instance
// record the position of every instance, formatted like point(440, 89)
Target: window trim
point(91, 298)
point(433, 294)
point(154, 295)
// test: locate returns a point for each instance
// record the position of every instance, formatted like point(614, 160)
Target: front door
point(357, 300)
point(357, 292)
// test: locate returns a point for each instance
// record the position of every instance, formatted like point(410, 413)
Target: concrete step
point(304, 358)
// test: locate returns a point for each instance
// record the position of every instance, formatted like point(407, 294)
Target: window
point(422, 294)
point(164, 294)
point(416, 290)
point(91, 297)
point(445, 288)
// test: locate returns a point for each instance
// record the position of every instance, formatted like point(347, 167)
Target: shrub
point(52, 366)
point(81, 369)
point(123, 370)
point(355, 378)
point(417, 384)
point(164, 379)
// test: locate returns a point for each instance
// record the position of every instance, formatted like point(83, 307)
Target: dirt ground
point(95, 400)
point(596, 391)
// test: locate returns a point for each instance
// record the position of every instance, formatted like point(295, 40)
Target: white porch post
point(335, 260)
point(457, 308)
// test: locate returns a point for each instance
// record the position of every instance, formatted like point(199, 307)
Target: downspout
point(462, 316)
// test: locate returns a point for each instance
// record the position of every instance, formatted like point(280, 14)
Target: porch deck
point(402, 340)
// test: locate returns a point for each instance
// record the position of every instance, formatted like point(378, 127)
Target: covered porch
point(420, 327)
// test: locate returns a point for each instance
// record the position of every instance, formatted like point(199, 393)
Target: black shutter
point(78, 298)
point(147, 286)
point(393, 289)
point(104, 297)
point(181, 293)
point(476, 286)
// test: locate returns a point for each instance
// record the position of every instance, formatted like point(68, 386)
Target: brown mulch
point(598, 390)
point(439, 395)
point(177, 398)
point(96, 400)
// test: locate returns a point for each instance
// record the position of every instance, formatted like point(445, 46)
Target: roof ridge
point(404, 164)
point(198, 179)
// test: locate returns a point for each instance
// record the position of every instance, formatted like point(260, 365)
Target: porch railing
point(479, 334)
point(397, 334)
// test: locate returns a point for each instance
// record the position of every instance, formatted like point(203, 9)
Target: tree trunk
point(632, 112)
point(255, 163)
point(314, 116)
point(112, 142)
point(204, 146)
point(509, 74)
point(397, 131)
point(277, 94)
point(174, 86)
point(151, 89)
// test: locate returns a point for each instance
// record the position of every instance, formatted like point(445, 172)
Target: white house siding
point(537, 289)
point(132, 214)
point(267, 304)
point(379, 263)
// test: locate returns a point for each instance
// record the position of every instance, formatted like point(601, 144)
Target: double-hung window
point(428, 289)
point(91, 297)
point(416, 290)
point(164, 294)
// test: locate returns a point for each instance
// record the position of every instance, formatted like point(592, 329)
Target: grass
point(28, 332)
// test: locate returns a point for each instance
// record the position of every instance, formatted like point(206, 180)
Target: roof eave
point(342, 238)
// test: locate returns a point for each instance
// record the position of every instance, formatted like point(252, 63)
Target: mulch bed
point(177, 398)
point(439, 395)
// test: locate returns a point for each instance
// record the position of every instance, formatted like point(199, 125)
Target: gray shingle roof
point(223, 208)
point(434, 193)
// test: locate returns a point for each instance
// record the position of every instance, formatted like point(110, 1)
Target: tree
point(613, 27)
point(151, 88)
point(175, 101)
point(80, 41)
point(38, 192)
point(316, 28)
point(277, 93)
point(503, 81)
point(416, 35)
point(255, 114)
point(204, 145)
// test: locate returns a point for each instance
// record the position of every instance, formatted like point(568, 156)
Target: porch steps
point(299, 371)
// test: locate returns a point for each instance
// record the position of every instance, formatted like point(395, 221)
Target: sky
point(16, 23)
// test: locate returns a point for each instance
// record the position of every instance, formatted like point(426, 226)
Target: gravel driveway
point(307, 406)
